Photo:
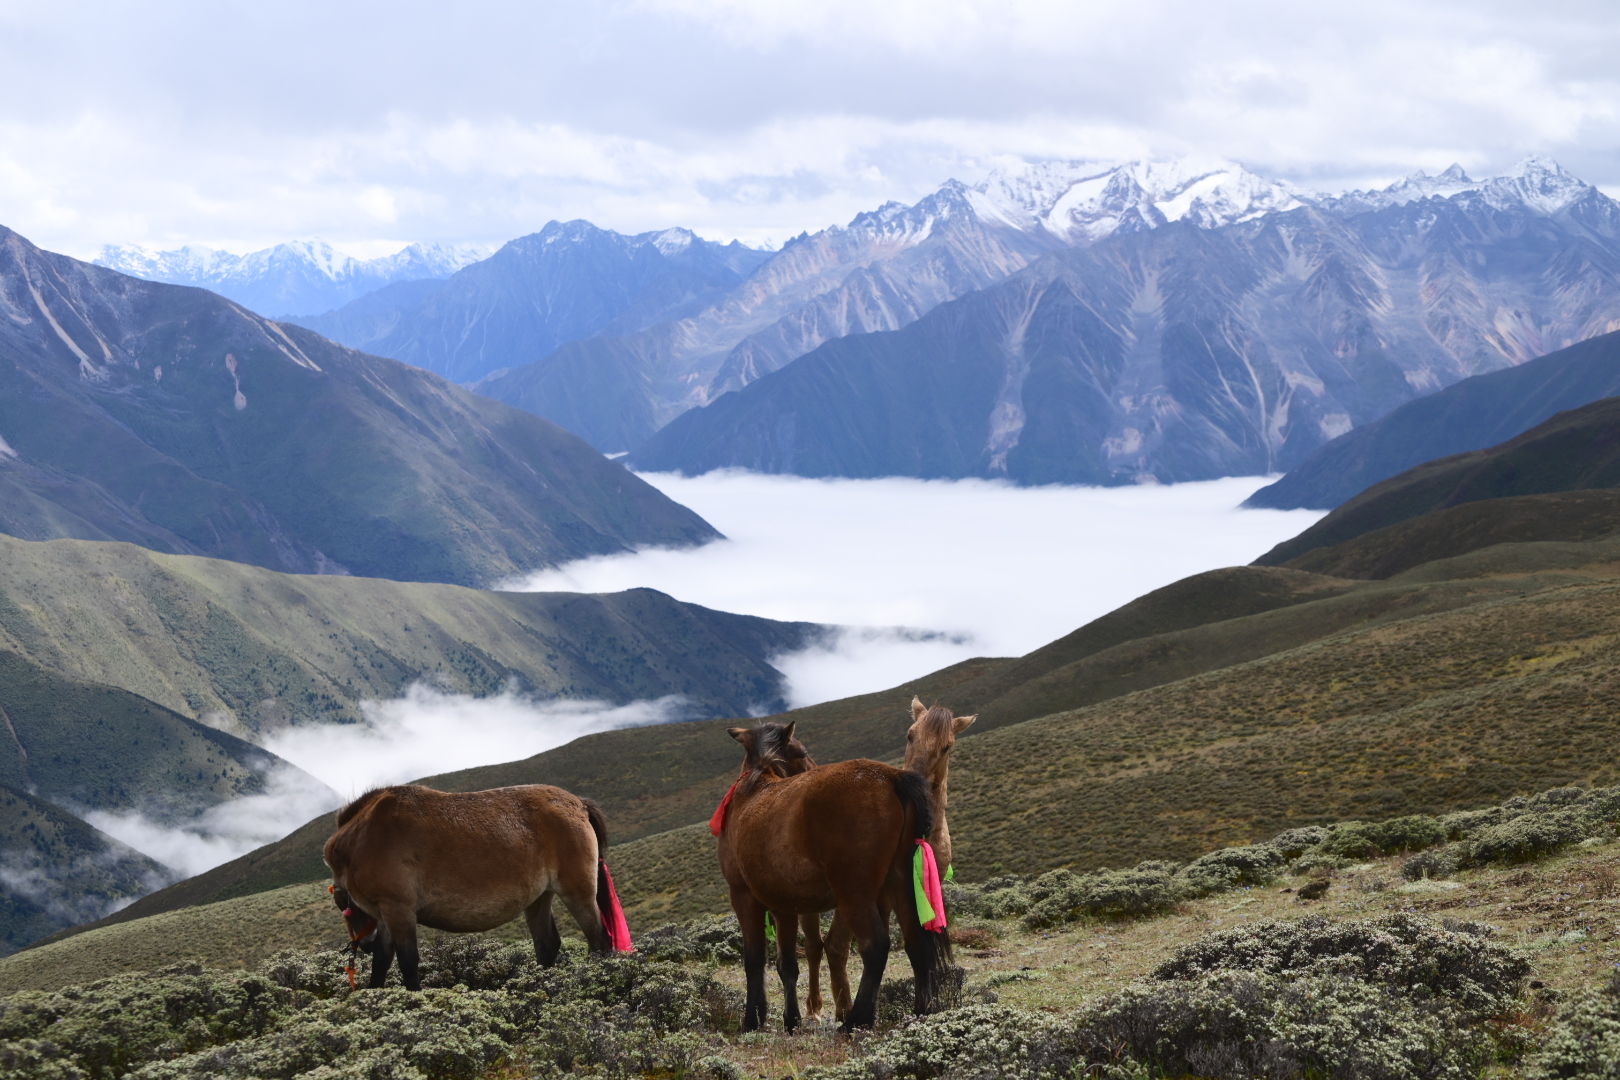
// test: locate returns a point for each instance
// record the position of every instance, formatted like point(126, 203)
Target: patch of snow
point(1084, 201)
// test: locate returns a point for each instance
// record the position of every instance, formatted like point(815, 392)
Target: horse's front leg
point(787, 968)
point(382, 956)
point(811, 925)
point(400, 923)
point(751, 919)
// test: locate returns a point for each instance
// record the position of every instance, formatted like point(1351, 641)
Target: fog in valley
point(988, 568)
point(920, 574)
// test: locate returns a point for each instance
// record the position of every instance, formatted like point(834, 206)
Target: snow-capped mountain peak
point(295, 278)
point(1081, 202)
point(1537, 183)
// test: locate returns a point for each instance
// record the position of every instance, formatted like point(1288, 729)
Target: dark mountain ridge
point(170, 417)
point(1471, 415)
point(1573, 451)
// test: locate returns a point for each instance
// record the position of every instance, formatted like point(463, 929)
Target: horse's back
point(437, 850)
point(830, 822)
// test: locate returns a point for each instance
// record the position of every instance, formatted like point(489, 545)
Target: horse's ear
point(744, 735)
point(960, 723)
point(917, 708)
point(787, 732)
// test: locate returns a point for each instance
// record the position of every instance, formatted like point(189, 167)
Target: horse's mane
point(774, 750)
point(365, 799)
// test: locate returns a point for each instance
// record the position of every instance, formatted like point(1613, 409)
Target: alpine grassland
point(1502, 962)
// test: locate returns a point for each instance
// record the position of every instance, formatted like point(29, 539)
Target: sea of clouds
point(918, 574)
point(989, 568)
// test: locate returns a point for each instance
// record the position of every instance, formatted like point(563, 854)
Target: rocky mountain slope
point(299, 278)
point(569, 280)
point(1185, 353)
point(882, 271)
point(175, 419)
point(1471, 415)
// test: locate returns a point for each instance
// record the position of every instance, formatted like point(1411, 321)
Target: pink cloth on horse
point(618, 929)
point(932, 888)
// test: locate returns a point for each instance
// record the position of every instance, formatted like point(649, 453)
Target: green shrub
point(1416, 956)
point(1526, 837)
point(1434, 863)
point(1368, 839)
point(117, 1024)
point(1229, 868)
point(989, 1041)
point(712, 938)
point(1224, 1025)
point(1244, 1024)
point(1584, 1041)
point(618, 1016)
point(1061, 896)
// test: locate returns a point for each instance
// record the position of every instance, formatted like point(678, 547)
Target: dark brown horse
point(468, 862)
point(928, 752)
point(836, 837)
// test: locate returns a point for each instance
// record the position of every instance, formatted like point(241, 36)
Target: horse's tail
point(934, 945)
point(607, 898)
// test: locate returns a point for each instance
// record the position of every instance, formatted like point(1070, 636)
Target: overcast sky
point(374, 124)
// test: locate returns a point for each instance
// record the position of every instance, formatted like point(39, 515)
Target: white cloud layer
point(997, 570)
point(242, 124)
point(424, 733)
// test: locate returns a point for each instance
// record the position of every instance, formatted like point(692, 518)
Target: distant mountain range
point(567, 281)
point(172, 418)
point(304, 277)
point(1080, 322)
point(1206, 346)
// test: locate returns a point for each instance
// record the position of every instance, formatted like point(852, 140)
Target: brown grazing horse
point(836, 837)
point(928, 751)
point(468, 862)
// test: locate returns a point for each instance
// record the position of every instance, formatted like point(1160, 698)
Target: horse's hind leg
point(787, 968)
point(811, 925)
point(836, 948)
point(543, 929)
point(576, 884)
point(870, 927)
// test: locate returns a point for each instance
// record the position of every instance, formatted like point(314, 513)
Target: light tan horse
point(928, 751)
point(468, 862)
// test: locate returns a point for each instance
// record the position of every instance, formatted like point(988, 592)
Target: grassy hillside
point(1457, 530)
point(1119, 730)
point(102, 748)
point(256, 649)
point(1573, 451)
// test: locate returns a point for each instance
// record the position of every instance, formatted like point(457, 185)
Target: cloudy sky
point(372, 124)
